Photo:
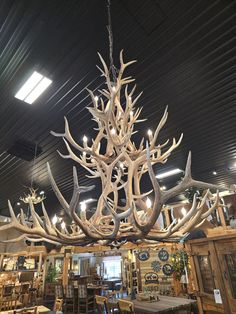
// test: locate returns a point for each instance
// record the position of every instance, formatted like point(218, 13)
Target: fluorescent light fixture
point(33, 88)
point(168, 173)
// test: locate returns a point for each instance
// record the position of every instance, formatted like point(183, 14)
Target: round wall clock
point(156, 266)
point(167, 269)
point(143, 256)
point(163, 255)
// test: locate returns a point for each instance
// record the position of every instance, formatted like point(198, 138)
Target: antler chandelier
point(120, 168)
point(33, 197)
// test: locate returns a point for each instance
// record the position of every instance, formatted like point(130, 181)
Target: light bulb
point(113, 131)
point(96, 98)
point(63, 225)
point(54, 219)
point(214, 173)
point(149, 132)
point(85, 139)
point(183, 211)
point(84, 153)
point(148, 202)
point(163, 188)
point(18, 203)
point(83, 206)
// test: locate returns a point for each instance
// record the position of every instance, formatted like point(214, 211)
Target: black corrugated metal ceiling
point(186, 52)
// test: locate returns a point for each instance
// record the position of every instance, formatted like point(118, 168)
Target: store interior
point(117, 157)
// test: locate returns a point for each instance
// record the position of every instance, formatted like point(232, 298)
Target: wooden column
point(40, 263)
point(1, 260)
point(65, 269)
point(222, 216)
point(167, 216)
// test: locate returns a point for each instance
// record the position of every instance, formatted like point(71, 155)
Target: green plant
point(51, 274)
point(179, 262)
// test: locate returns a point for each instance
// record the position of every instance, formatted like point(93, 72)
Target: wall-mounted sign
point(151, 278)
point(156, 266)
point(143, 256)
point(163, 255)
point(167, 269)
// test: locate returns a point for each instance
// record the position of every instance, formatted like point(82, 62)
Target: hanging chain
point(35, 155)
point(110, 34)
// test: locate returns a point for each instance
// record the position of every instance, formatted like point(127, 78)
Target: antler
point(120, 164)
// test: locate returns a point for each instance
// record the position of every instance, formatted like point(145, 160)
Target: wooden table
point(40, 309)
point(165, 305)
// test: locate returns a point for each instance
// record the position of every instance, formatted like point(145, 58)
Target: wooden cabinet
point(214, 267)
point(227, 260)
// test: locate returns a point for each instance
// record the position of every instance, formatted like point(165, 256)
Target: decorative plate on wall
point(143, 256)
point(156, 266)
point(151, 278)
point(163, 255)
point(167, 269)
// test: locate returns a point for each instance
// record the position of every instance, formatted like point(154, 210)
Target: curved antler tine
point(12, 214)
point(213, 207)
point(56, 190)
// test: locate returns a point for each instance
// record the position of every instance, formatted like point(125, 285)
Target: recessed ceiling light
point(214, 173)
point(168, 173)
point(18, 203)
point(33, 88)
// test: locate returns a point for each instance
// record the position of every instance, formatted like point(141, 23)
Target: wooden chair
point(8, 304)
point(7, 291)
point(34, 291)
point(8, 300)
point(85, 300)
point(125, 306)
point(69, 299)
point(24, 294)
point(102, 304)
point(59, 292)
point(29, 310)
point(58, 304)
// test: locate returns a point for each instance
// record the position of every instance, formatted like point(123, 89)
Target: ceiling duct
point(25, 149)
